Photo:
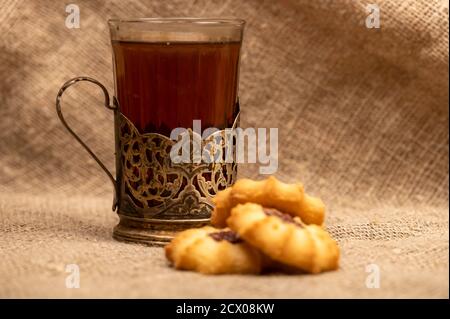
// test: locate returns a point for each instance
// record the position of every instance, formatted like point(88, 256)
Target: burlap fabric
point(363, 122)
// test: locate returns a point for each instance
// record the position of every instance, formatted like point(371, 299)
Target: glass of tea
point(167, 74)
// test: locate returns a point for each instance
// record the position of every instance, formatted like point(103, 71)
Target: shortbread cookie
point(222, 208)
point(288, 198)
point(285, 239)
point(213, 251)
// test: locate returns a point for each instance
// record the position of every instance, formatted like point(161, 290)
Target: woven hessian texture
point(363, 123)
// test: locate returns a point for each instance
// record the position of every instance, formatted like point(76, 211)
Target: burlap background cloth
point(363, 122)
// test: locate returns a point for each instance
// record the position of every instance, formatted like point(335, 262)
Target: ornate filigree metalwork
point(153, 186)
point(154, 197)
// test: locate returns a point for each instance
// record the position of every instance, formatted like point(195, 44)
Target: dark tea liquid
point(161, 86)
